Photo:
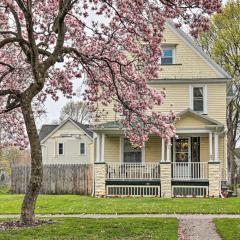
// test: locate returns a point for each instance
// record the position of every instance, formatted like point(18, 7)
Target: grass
point(67, 204)
point(4, 190)
point(69, 228)
point(229, 229)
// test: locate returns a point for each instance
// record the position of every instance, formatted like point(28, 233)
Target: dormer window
point(198, 98)
point(168, 56)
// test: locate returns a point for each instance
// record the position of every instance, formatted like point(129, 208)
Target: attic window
point(168, 57)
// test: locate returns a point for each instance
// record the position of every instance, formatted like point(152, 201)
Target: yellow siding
point(153, 150)
point(177, 98)
point(204, 149)
point(112, 149)
point(217, 102)
point(190, 122)
point(192, 65)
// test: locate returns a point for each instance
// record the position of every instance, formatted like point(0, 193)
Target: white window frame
point(122, 151)
point(63, 149)
point(205, 97)
point(85, 149)
point(173, 55)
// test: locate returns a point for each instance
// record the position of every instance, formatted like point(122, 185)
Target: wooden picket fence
point(57, 179)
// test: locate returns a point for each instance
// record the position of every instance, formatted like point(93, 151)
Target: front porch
point(192, 164)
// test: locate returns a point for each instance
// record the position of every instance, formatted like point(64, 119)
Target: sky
point(54, 108)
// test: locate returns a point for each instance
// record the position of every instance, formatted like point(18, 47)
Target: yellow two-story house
point(195, 163)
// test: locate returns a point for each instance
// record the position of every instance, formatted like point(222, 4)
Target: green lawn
point(229, 229)
point(71, 228)
point(82, 204)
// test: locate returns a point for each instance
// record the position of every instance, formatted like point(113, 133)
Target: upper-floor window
point(60, 149)
point(168, 56)
point(198, 98)
point(82, 148)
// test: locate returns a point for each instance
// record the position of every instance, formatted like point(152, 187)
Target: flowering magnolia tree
point(46, 44)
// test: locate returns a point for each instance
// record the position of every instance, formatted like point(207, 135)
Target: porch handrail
point(190, 170)
point(133, 171)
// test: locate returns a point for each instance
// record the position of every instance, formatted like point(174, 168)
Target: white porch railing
point(190, 170)
point(133, 171)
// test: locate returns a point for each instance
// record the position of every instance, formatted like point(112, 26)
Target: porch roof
point(208, 121)
point(117, 126)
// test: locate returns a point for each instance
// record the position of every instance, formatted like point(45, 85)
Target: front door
point(182, 158)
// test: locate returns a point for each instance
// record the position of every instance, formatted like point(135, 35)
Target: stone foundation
point(100, 179)
point(214, 176)
point(166, 179)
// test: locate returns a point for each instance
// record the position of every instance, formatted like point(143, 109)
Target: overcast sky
point(53, 108)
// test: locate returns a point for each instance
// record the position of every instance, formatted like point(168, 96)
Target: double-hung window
point(82, 148)
point(198, 98)
point(60, 149)
point(132, 154)
point(168, 57)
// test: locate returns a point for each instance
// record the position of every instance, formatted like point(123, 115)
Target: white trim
point(58, 149)
point(210, 147)
point(205, 97)
point(122, 151)
point(216, 147)
point(85, 149)
point(102, 147)
point(143, 153)
point(121, 148)
point(173, 48)
point(168, 152)
point(163, 150)
point(54, 148)
point(98, 148)
point(193, 131)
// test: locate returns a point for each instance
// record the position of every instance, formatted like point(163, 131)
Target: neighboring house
point(195, 164)
point(67, 143)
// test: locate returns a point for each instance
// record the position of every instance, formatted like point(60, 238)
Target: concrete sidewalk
point(97, 216)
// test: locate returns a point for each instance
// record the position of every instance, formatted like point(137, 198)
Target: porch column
point(163, 150)
point(165, 172)
point(102, 147)
point(210, 147)
point(100, 170)
point(166, 179)
point(214, 173)
point(214, 178)
point(216, 149)
point(168, 152)
point(98, 148)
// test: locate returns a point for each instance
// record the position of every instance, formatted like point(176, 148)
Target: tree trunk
point(33, 188)
point(231, 142)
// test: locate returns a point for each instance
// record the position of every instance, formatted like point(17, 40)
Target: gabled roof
point(84, 127)
point(47, 130)
point(198, 50)
point(188, 111)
